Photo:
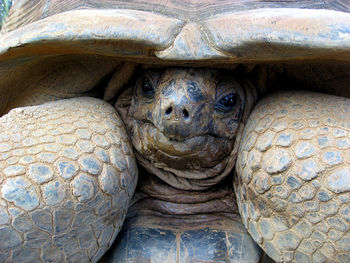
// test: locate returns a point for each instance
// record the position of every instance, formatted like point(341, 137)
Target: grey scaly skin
point(293, 176)
point(67, 176)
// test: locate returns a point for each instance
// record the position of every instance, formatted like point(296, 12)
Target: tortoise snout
point(177, 120)
point(184, 111)
point(177, 113)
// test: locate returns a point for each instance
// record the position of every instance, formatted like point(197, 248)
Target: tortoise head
point(183, 123)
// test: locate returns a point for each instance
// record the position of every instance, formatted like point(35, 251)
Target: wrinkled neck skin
point(156, 203)
point(185, 125)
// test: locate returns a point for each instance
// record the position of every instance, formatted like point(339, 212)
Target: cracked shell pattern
point(206, 244)
point(293, 180)
point(64, 191)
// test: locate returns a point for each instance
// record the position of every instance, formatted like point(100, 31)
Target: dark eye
point(147, 87)
point(227, 103)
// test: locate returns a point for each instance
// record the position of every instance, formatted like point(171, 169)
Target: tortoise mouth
point(194, 152)
point(175, 145)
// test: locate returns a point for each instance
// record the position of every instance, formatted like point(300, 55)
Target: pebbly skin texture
point(67, 174)
point(293, 177)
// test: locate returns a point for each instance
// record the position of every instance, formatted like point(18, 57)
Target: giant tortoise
point(236, 112)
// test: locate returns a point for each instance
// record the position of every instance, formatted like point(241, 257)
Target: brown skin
point(183, 123)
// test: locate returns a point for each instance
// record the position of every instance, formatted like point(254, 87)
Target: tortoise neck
point(156, 198)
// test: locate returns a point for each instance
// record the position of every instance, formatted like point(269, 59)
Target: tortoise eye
point(227, 103)
point(147, 87)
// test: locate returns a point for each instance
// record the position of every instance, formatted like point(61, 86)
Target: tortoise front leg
point(294, 178)
point(67, 174)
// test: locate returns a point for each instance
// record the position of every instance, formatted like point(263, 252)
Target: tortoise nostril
point(169, 110)
point(185, 114)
